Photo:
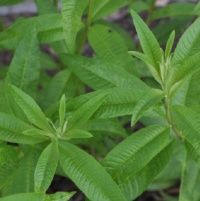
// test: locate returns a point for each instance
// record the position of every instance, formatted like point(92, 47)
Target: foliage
point(71, 116)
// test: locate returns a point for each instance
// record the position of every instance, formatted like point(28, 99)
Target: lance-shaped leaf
point(88, 174)
point(77, 133)
point(60, 196)
point(46, 168)
point(62, 110)
point(100, 74)
point(56, 87)
point(190, 182)
point(148, 41)
point(45, 6)
point(8, 164)
point(179, 74)
point(30, 108)
point(24, 70)
point(175, 10)
point(24, 174)
point(72, 11)
point(119, 101)
point(188, 121)
point(149, 98)
point(169, 44)
point(83, 114)
point(131, 167)
point(11, 130)
point(109, 46)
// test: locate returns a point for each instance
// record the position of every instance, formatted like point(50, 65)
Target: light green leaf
point(11, 130)
point(119, 102)
point(24, 174)
point(62, 110)
point(190, 182)
point(131, 168)
point(72, 11)
point(193, 93)
point(109, 8)
point(57, 86)
point(188, 121)
point(175, 10)
point(59, 196)
point(77, 133)
point(24, 70)
point(106, 127)
point(46, 168)
point(109, 46)
point(188, 44)
point(148, 41)
point(84, 113)
point(181, 73)
point(8, 164)
point(149, 99)
point(169, 44)
point(100, 74)
point(90, 177)
point(30, 108)
point(46, 6)
point(10, 2)
point(98, 5)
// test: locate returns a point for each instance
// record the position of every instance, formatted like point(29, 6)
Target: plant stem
point(87, 25)
point(1, 25)
point(55, 3)
point(169, 119)
point(152, 6)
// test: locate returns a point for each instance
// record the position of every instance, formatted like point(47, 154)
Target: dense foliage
point(76, 122)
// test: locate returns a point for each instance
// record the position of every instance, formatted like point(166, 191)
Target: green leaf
point(186, 57)
point(57, 86)
point(11, 130)
point(109, 7)
point(190, 182)
point(46, 168)
point(45, 6)
point(193, 93)
point(175, 10)
point(60, 196)
point(24, 70)
point(109, 46)
point(10, 2)
point(132, 169)
point(77, 133)
point(149, 99)
point(90, 177)
point(119, 102)
point(188, 121)
point(30, 108)
point(8, 164)
point(148, 41)
point(98, 5)
point(181, 73)
point(188, 44)
point(83, 114)
point(62, 110)
point(169, 44)
point(106, 127)
point(72, 11)
point(24, 174)
point(100, 74)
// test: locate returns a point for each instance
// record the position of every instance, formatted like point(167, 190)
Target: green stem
point(1, 25)
point(152, 6)
point(169, 119)
point(87, 25)
point(55, 3)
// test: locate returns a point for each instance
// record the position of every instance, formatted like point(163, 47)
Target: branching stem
point(87, 25)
